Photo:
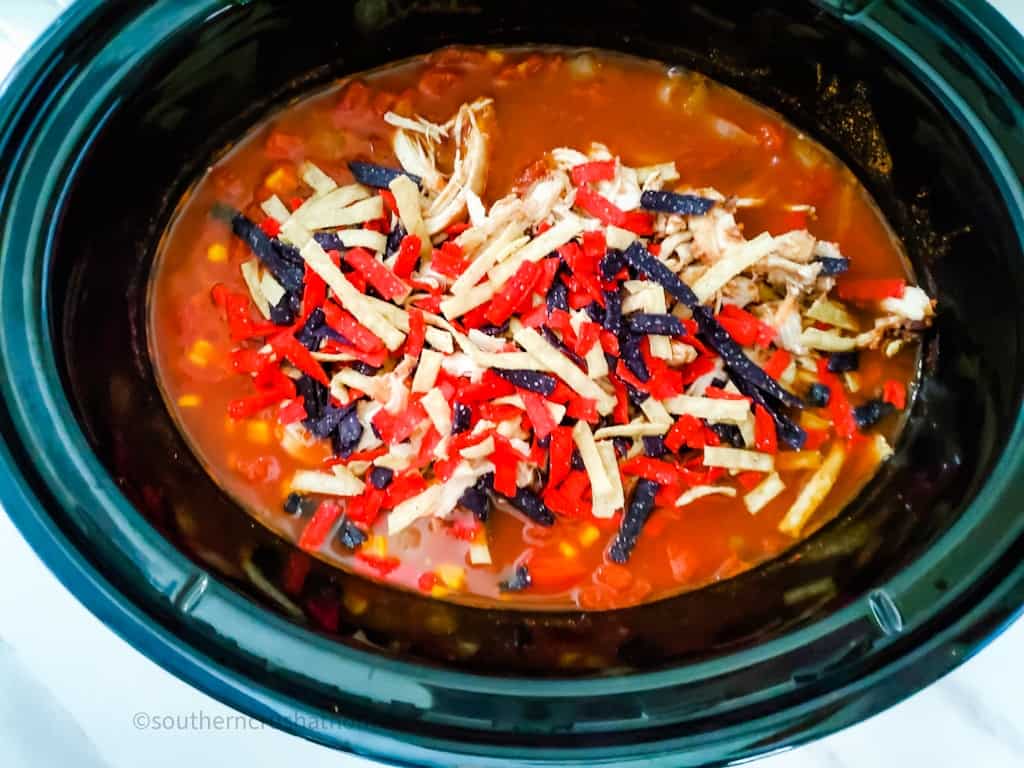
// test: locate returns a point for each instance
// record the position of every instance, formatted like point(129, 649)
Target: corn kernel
point(355, 604)
point(258, 432)
point(590, 534)
point(567, 549)
point(452, 576)
point(568, 658)
point(217, 253)
point(279, 181)
point(200, 352)
point(189, 401)
point(496, 56)
point(438, 591)
point(377, 546)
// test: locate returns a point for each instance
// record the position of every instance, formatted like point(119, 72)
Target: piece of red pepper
point(271, 226)
point(448, 260)
point(777, 363)
point(895, 393)
point(417, 332)
point(688, 430)
point(344, 323)
point(656, 470)
point(394, 428)
point(383, 280)
point(382, 566)
point(290, 348)
point(594, 171)
point(620, 414)
point(512, 294)
point(583, 409)
point(838, 404)
point(765, 437)
point(401, 488)
point(408, 256)
point(314, 294)
point(293, 412)
point(365, 508)
point(559, 455)
point(320, 525)
point(537, 412)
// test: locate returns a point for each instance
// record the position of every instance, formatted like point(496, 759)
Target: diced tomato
point(688, 430)
point(382, 566)
point(583, 409)
point(283, 146)
point(402, 487)
point(271, 226)
point(365, 508)
point(551, 571)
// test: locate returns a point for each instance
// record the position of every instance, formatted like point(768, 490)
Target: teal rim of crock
point(44, 135)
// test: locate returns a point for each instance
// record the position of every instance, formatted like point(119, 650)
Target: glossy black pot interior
point(205, 89)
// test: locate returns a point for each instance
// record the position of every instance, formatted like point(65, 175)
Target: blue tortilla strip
point(530, 504)
point(462, 418)
point(736, 362)
point(633, 521)
point(611, 264)
point(381, 477)
point(328, 420)
point(558, 297)
point(314, 396)
point(673, 202)
point(871, 412)
point(283, 313)
point(494, 330)
point(833, 266)
point(329, 241)
point(364, 368)
point(394, 242)
point(654, 446)
point(286, 272)
point(632, 356)
point(729, 434)
point(307, 334)
point(612, 312)
point(622, 446)
point(293, 504)
point(379, 176)
point(595, 311)
point(657, 324)
point(576, 460)
point(636, 396)
point(560, 345)
point(477, 498)
point(843, 362)
point(348, 433)
point(534, 381)
point(818, 395)
point(644, 261)
point(787, 430)
point(518, 581)
point(350, 535)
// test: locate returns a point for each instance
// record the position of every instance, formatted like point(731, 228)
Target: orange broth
point(543, 99)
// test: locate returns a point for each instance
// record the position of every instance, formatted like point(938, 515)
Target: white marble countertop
point(74, 694)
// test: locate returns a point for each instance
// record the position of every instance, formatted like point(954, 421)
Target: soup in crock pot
point(540, 328)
